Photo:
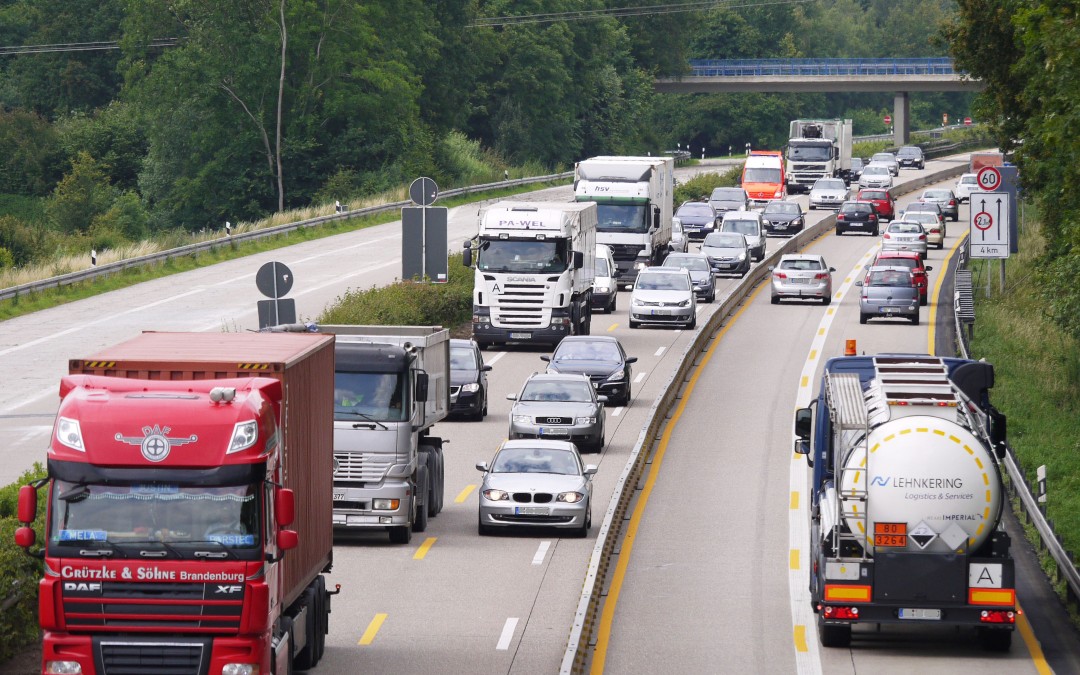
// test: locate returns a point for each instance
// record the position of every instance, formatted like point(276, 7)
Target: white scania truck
point(534, 272)
point(817, 149)
point(634, 198)
point(907, 498)
point(391, 385)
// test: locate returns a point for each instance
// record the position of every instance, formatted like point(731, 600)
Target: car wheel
point(827, 300)
point(712, 295)
point(583, 531)
point(633, 324)
point(775, 300)
point(482, 529)
point(693, 323)
point(924, 301)
point(839, 230)
point(812, 207)
point(915, 319)
point(625, 400)
point(614, 303)
point(863, 318)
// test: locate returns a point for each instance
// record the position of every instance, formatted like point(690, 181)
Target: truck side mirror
point(579, 260)
point(284, 507)
point(287, 539)
point(25, 537)
point(421, 386)
point(656, 218)
point(27, 504)
point(998, 429)
point(466, 255)
point(804, 421)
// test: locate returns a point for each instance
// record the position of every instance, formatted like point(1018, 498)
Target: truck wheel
point(423, 487)
point(400, 534)
point(436, 474)
point(323, 616)
point(995, 640)
point(833, 636)
point(307, 657)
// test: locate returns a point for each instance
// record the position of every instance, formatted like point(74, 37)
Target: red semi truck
point(189, 503)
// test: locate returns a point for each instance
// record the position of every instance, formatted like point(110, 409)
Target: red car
point(882, 199)
point(913, 261)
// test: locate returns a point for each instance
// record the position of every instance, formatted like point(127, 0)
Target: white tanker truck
point(907, 498)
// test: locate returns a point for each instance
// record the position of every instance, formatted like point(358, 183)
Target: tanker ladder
point(850, 422)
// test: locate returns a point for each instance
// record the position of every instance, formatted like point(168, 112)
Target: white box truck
point(634, 198)
point(534, 272)
point(817, 149)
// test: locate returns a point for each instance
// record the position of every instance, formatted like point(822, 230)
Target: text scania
point(927, 483)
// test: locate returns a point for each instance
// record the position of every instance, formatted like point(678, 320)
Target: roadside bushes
point(19, 573)
point(701, 186)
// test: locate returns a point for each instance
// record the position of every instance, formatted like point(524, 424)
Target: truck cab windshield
point(127, 521)
point(376, 397)
point(628, 218)
point(761, 175)
point(810, 153)
point(526, 256)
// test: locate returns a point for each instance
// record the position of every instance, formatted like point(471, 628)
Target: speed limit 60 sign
point(988, 178)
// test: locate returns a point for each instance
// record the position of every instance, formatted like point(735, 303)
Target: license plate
point(532, 510)
point(800, 280)
point(661, 312)
point(780, 226)
point(520, 336)
point(886, 310)
point(339, 496)
point(553, 431)
point(918, 614)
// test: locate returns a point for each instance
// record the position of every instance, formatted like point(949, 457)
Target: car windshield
point(900, 262)
point(875, 170)
point(905, 228)
point(830, 184)
point(692, 263)
point(969, 180)
point(936, 194)
point(725, 240)
point(549, 390)
point(462, 358)
point(522, 255)
point(536, 460)
point(874, 194)
point(370, 396)
point(882, 157)
point(587, 350)
point(801, 264)
point(789, 208)
point(659, 281)
point(855, 208)
point(728, 195)
point(749, 227)
point(601, 269)
point(922, 217)
point(761, 175)
point(889, 278)
point(908, 152)
point(927, 207)
point(622, 218)
point(699, 209)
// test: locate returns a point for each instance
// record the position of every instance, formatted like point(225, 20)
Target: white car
point(876, 176)
point(888, 159)
point(828, 193)
point(967, 184)
point(605, 290)
point(663, 295)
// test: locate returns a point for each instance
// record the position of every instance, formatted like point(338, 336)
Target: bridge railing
point(820, 67)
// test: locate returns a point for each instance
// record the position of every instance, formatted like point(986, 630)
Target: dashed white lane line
point(639, 378)
point(507, 634)
point(494, 358)
point(617, 411)
point(541, 553)
point(660, 351)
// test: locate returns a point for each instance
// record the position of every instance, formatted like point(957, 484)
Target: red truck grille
point(194, 608)
point(138, 656)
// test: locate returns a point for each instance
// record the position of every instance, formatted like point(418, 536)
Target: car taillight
point(885, 235)
point(952, 202)
point(779, 275)
point(821, 275)
point(922, 237)
point(873, 218)
point(840, 216)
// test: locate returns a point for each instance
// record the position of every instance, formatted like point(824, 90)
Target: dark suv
point(911, 157)
point(860, 216)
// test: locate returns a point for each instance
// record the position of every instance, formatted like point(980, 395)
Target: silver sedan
point(560, 406)
point(536, 483)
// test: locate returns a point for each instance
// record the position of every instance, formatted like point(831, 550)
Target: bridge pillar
point(901, 119)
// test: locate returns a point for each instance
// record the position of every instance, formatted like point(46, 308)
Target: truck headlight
point(240, 669)
point(497, 495)
point(603, 289)
point(584, 420)
point(522, 419)
point(69, 433)
point(471, 387)
point(385, 504)
point(63, 667)
point(570, 497)
point(244, 436)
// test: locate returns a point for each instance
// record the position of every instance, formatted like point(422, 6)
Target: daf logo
point(228, 589)
point(155, 442)
point(81, 587)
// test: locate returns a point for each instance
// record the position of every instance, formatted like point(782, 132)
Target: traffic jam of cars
point(538, 478)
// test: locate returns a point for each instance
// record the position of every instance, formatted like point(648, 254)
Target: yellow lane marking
point(793, 559)
point(424, 548)
point(612, 327)
point(800, 639)
point(931, 299)
point(372, 629)
point(464, 494)
point(795, 499)
point(821, 331)
point(607, 618)
point(804, 382)
point(1032, 643)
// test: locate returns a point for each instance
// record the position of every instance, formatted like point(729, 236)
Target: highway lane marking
point(372, 629)
point(424, 548)
point(617, 411)
point(660, 351)
point(607, 616)
point(541, 553)
point(931, 326)
point(507, 635)
point(794, 499)
point(800, 639)
point(793, 559)
point(494, 358)
point(464, 494)
point(612, 327)
point(1028, 635)
point(639, 378)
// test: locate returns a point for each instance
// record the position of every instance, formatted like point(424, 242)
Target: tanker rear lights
point(997, 616)
point(841, 613)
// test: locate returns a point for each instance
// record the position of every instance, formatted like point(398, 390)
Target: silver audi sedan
point(559, 406)
point(536, 483)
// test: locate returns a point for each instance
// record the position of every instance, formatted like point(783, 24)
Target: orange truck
point(763, 176)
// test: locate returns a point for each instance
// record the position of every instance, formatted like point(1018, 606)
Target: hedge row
point(19, 572)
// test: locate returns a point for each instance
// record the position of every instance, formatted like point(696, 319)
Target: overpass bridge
point(899, 76)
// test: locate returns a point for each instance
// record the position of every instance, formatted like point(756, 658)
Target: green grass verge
point(19, 572)
point(1037, 378)
point(59, 296)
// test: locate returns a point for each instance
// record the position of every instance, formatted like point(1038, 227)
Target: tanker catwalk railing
point(203, 246)
point(608, 540)
point(1048, 539)
point(820, 67)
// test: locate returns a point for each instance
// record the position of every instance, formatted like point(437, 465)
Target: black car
point(783, 217)
point(468, 380)
point(860, 216)
point(910, 157)
point(852, 175)
point(697, 219)
point(601, 358)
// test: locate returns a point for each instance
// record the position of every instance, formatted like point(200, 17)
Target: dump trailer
point(189, 507)
point(907, 498)
point(391, 385)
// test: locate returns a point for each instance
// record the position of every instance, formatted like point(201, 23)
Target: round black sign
point(274, 280)
point(423, 191)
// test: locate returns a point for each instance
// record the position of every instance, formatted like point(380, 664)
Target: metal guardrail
point(191, 249)
point(594, 588)
point(821, 67)
point(1021, 488)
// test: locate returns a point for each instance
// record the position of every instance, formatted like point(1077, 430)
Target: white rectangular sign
point(989, 229)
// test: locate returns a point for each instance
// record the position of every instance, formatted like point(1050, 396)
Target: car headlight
point(471, 387)
point(797, 221)
point(778, 194)
point(638, 303)
point(618, 376)
point(584, 420)
point(570, 497)
point(603, 289)
point(497, 495)
point(640, 266)
point(742, 256)
point(522, 419)
point(683, 303)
